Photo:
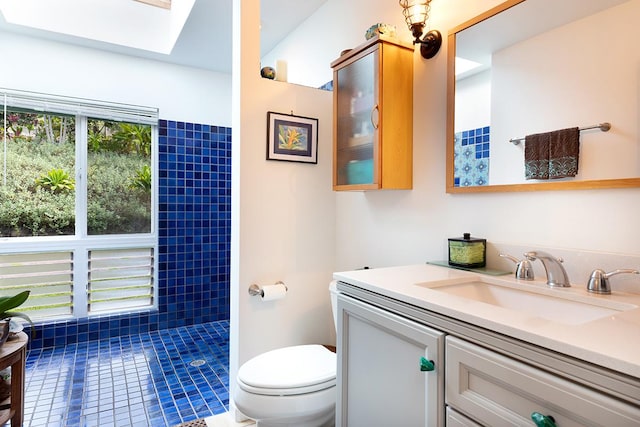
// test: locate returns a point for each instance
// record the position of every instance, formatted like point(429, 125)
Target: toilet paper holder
point(256, 290)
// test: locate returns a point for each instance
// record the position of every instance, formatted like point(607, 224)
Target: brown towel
point(536, 156)
point(552, 155)
point(564, 149)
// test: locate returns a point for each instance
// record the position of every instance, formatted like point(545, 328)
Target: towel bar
point(604, 127)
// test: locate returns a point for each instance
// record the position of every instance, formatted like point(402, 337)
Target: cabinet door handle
point(375, 123)
point(543, 420)
point(426, 365)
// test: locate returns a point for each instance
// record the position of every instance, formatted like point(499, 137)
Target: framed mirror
point(528, 67)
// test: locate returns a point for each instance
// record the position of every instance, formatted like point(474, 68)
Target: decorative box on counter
point(467, 252)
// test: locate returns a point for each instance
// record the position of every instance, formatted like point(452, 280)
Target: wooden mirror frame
point(537, 186)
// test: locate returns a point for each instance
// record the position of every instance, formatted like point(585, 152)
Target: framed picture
point(292, 138)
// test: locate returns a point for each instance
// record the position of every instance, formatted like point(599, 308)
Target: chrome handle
point(599, 280)
point(620, 271)
point(511, 257)
point(376, 123)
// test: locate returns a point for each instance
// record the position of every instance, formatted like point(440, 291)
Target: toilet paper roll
point(274, 292)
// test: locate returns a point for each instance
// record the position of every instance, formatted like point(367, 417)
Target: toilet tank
point(333, 293)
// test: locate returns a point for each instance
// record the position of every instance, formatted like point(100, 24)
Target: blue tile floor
point(159, 378)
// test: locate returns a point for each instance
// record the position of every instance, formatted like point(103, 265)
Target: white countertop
point(612, 341)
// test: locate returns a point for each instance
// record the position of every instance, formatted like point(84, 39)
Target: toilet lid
point(290, 370)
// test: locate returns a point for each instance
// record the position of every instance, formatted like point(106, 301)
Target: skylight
point(466, 66)
point(160, 3)
point(136, 24)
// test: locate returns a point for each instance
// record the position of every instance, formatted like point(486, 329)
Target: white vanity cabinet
point(481, 378)
point(380, 381)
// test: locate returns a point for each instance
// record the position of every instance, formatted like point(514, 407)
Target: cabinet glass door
point(357, 115)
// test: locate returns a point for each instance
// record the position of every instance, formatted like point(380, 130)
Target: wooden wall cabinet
point(373, 116)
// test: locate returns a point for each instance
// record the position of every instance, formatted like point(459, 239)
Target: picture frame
point(292, 138)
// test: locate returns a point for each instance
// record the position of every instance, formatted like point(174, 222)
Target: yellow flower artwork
point(292, 138)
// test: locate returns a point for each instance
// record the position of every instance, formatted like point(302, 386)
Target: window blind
point(86, 107)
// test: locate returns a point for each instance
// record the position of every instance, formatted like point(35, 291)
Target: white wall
point(283, 213)
point(553, 81)
point(403, 227)
point(181, 93)
point(589, 228)
point(335, 26)
point(473, 101)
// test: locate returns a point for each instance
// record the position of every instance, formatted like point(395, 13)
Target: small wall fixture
point(416, 13)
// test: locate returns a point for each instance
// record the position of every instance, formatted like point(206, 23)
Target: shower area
point(165, 366)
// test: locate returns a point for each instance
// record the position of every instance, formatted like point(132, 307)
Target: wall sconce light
point(416, 13)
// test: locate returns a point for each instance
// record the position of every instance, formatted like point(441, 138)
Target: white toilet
point(291, 386)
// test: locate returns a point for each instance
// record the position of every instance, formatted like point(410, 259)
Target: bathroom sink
point(554, 305)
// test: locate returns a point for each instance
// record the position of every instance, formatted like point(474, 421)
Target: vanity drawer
point(456, 419)
point(496, 390)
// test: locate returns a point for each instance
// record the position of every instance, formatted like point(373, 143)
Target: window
point(77, 204)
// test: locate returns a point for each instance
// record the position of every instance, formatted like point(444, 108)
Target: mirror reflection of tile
point(471, 157)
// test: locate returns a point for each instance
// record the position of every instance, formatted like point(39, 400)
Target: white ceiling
point(525, 20)
point(205, 40)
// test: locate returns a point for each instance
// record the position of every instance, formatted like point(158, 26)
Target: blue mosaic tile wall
point(194, 240)
point(471, 157)
point(327, 86)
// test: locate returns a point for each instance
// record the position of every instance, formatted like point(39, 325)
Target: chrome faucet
point(599, 280)
point(556, 274)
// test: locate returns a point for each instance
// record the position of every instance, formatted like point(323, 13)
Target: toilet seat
point(289, 371)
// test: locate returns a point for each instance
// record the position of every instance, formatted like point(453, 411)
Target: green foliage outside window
point(57, 181)
point(113, 207)
point(39, 195)
point(142, 180)
point(123, 138)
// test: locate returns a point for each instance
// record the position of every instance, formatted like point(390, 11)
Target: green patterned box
point(467, 252)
